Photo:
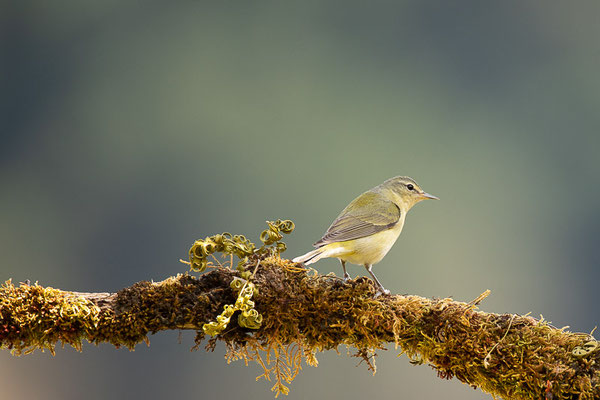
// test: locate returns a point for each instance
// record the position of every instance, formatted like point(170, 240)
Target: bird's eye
point(410, 186)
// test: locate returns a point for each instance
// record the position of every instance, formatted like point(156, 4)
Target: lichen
point(248, 316)
point(238, 245)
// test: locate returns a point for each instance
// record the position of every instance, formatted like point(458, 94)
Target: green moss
point(238, 245)
point(147, 307)
point(303, 313)
point(34, 317)
point(512, 356)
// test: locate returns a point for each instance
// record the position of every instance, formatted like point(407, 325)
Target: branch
point(507, 355)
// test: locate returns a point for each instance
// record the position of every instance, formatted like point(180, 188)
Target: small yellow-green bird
point(368, 227)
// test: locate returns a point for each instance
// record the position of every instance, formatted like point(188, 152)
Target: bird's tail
point(311, 256)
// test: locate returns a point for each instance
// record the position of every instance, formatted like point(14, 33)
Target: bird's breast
point(371, 249)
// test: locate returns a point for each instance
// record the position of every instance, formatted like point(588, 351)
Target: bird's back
point(368, 214)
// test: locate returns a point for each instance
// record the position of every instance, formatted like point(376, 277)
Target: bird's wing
point(366, 215)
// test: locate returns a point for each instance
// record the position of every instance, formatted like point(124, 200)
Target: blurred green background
point(132, 128)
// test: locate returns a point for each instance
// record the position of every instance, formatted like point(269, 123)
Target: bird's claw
point(381, 291)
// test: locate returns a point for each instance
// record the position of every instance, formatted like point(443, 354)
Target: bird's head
point(406, 191)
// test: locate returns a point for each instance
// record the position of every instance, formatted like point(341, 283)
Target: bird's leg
point(382, 290)
point(346, 276)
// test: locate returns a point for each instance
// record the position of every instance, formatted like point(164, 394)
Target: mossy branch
point(512, 356)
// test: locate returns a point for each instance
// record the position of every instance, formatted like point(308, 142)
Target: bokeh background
point(130, 128)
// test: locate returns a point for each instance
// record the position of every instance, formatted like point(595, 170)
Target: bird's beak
point(429, 196)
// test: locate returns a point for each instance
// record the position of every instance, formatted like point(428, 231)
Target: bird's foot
point(346, 277)
point(381, 291)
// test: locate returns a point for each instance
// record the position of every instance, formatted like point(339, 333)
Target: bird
point(368, 227)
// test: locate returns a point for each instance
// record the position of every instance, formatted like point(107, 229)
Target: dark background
point(129, 129)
